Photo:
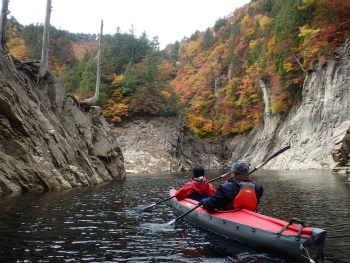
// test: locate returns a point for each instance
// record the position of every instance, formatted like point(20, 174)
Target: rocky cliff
point(317, 129)
point(46, 141)
point(161, 144)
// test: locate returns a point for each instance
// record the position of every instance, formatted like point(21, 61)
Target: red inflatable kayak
point(256, 229)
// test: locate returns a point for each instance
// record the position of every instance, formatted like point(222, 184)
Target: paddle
point(256, 168)
point(272, 156)
point(185, 214)
point(148, 208)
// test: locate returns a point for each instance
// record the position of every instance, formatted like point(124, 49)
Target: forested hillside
point(212, 79)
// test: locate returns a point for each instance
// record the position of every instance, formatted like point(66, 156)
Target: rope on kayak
point(307, 254)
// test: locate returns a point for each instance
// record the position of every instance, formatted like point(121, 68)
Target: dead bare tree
point(45, 49)
point(3, 21)
point(301, 66)
point(91, 101)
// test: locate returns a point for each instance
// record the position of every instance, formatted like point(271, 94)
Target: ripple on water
point(154, 227)
point(97, 224)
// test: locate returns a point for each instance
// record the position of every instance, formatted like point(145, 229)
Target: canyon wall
point(161, 144)
point(46, 141)
point(317, 129)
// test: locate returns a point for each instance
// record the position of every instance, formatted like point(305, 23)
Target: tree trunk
point(91, 101)
point(45, 50)
point(3, 20)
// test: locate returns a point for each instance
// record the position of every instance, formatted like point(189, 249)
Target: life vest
point(246, 197)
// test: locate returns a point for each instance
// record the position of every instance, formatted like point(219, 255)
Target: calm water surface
point(96, 224)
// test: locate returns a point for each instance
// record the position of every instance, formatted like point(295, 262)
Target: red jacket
point(200, 186)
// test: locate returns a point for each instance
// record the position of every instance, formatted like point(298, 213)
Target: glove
point(200, 202)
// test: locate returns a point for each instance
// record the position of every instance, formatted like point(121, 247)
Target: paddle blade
point(143, 208)
point(172, 222)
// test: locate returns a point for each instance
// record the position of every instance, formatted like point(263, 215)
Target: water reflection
point(98, 224)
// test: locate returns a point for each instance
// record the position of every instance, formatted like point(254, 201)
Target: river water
point(97, 224)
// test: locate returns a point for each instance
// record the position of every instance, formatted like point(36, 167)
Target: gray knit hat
point(240, 167)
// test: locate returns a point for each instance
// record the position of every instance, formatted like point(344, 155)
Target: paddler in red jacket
point(198, 188)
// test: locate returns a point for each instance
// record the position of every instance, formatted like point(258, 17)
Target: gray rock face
point(161, 144)
point(46, 141)
point(317, 129)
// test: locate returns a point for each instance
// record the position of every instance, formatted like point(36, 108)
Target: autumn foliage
point(276, 42)
point(214, 78)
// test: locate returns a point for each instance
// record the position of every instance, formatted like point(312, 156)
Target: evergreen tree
point(71, 75)
point(88, 82)
point(288, 21)
point(128, 82)
point(194, 36)
point(219, 23)
point(208, 39)
point(173, 52)
point(32, 35)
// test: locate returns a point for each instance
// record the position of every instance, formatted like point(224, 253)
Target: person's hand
point(200, 202)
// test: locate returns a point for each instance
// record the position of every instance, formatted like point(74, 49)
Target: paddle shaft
point(152, 205)
point(217, 178)
point(272, 156)
point(166, 199)
point(256, 168)
point(185, 214)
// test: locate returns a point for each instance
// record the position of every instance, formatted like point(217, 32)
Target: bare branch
point(296, 59)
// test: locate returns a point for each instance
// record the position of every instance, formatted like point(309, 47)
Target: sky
point(171, 20)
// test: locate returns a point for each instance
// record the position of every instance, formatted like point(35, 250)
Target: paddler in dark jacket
point(198, 188)
point(237, 192)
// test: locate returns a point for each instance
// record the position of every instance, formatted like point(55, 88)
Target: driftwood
point(3, 20)
point(45, 49)
point(89, 102)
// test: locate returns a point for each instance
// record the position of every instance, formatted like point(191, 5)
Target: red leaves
point(339, 6)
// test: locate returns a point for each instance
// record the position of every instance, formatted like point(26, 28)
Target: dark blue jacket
point(226, 193)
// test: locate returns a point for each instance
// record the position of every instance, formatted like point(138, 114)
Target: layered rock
point(46, 141)
point(317, 129)
point(161, 144)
